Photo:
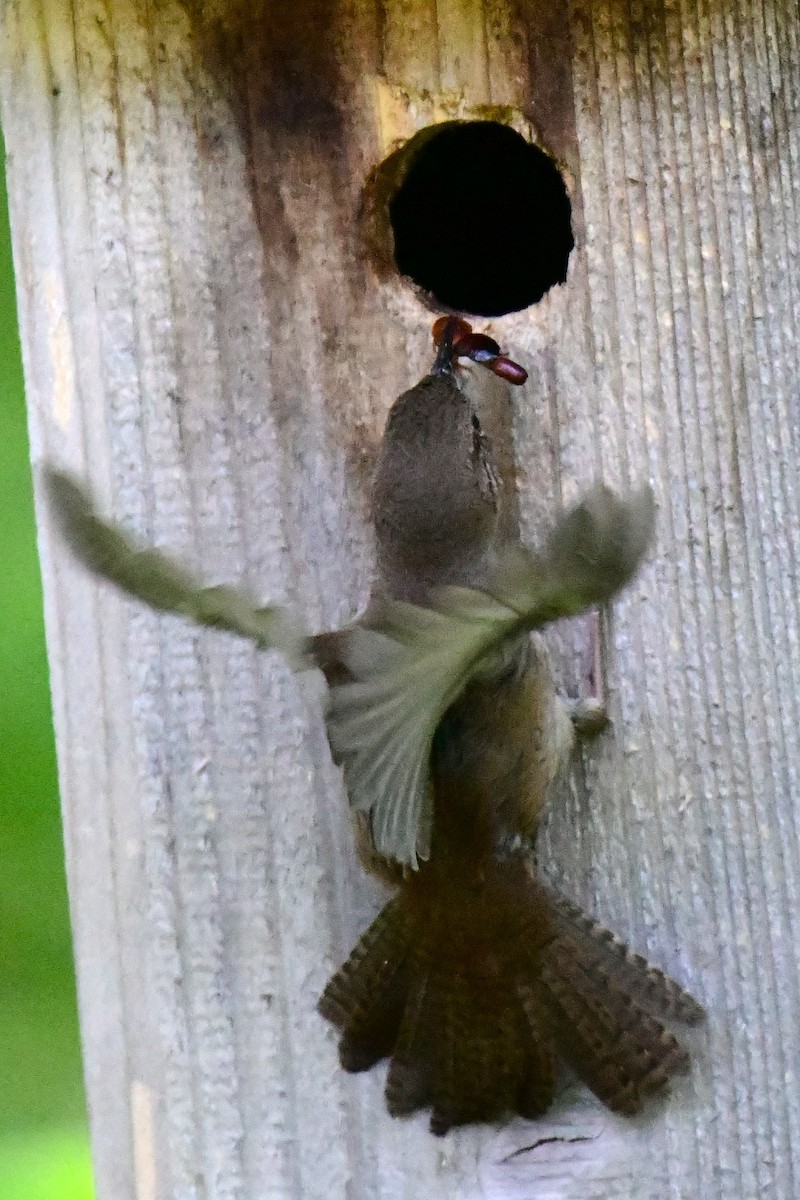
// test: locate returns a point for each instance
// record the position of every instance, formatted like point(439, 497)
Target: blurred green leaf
point(48, 1166)
point(42, 1092)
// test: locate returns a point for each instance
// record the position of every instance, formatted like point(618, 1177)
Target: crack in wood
point(548, 1141)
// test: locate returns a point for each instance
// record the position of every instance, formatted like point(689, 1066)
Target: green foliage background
point(43, 1142)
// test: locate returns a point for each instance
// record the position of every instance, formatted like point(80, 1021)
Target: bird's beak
point(444, 361)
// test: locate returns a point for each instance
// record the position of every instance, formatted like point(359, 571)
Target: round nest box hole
point(481, 218)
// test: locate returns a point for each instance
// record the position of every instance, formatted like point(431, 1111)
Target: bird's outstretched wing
point(154, 578)
point(411, 663)
point(402, 672)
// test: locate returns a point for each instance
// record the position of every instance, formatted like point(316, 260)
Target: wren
point(442, 711)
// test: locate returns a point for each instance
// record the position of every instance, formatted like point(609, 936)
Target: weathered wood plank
point(206, 340)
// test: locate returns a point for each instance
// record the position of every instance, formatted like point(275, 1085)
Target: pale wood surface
point(206, 343)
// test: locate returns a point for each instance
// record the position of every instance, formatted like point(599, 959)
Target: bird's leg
point(589, 714)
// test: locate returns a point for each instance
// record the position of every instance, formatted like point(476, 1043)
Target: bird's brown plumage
point(475, 979)
point(475, 987)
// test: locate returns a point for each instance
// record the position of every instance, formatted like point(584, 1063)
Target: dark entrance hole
point(481, 219)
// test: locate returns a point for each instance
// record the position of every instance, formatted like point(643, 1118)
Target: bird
point(445, 639)
point(475, 980)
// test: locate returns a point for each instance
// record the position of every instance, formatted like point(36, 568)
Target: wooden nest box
point(214, 324)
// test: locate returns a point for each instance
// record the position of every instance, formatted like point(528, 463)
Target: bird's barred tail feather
point(615, 964)
point(474, 1031)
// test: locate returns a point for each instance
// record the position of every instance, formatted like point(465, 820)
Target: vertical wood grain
point(206, 341)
